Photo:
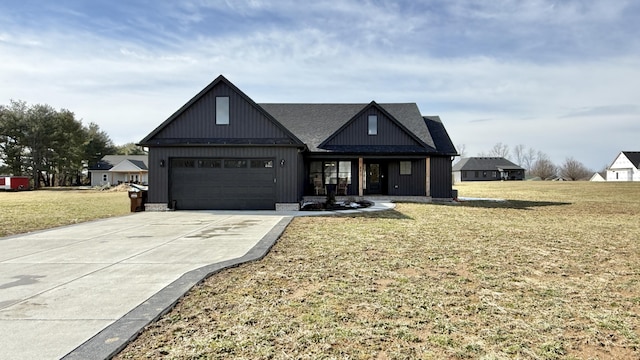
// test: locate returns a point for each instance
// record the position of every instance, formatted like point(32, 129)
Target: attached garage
point(227, 184)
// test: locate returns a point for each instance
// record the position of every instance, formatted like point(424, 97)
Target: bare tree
point(500, 150)
point(462, 150)
point(543, 167)
point(528, 159)
point(518, 153)
point(572, 169)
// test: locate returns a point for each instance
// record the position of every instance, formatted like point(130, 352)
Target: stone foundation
point(287, 206)
point(156, 207)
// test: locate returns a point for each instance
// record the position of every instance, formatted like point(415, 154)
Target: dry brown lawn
point(26, 211)
point(552, 273)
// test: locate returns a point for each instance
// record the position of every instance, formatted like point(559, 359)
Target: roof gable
point(634, 158)
point(317, 124)
point(485, 163)
point(194, 123)
point(391, 134)
point(129, 165)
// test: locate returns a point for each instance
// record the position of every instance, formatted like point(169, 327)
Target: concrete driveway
point(61, 287)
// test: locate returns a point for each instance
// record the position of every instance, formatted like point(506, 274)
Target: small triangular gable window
point(373, 125)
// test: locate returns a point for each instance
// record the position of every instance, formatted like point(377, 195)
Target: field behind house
point(25, 211)
point(551, 273)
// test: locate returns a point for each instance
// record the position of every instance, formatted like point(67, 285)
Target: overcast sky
point(562, 77)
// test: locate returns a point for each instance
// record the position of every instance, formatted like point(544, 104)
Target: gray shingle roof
point(109, 161)
point(439, 135)
point(309, 125)
point(314, 123)
point(485, 163)
point(634, 157)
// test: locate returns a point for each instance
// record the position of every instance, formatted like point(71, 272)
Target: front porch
point(348, 177)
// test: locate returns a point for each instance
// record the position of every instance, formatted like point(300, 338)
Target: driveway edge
point(115, 337)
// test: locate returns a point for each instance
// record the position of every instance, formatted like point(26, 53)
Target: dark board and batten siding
point(198, 121)
point(287, 182)
point(441, 178)
point(407, 185)
point(356, 133)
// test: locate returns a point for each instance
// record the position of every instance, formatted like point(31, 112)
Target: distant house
point(625, 167)
point(118, 169)
point(221, 150)
point(486, 169)
point(598, 177)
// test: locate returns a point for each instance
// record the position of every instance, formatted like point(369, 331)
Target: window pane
point(344, 174)
point(235, 163)
point(183, 163)
point(222, 110)
point(330, 172)
point(405, 167)
point(261, 163)
point(315, 172)
point(210, 163)
point(373, 124)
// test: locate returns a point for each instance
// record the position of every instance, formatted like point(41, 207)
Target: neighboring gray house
point(486, 169)
point(221, 150)
point(118, 169)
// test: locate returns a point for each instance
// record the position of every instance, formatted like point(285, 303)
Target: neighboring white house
point(626, 167)
point(598, 177)
point(117, 169)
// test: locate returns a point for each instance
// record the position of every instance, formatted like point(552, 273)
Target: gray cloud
point(607, 110)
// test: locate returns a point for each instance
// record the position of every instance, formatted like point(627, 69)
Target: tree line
point(535, 162)
point(51, 146)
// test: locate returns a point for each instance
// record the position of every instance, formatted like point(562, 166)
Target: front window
point(330, 172)
point(373, 124)
point(336, 174)
point(344, 172)
point(405, 167)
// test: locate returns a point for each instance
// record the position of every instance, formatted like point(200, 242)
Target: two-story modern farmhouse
point(221, 150)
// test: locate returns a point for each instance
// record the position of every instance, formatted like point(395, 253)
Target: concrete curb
point(115, 337)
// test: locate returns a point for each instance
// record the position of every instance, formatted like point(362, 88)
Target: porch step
point(372, 198)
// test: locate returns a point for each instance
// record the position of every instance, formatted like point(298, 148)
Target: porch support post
point(361, 175)
point(428, 177)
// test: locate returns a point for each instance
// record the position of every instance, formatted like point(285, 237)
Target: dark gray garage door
point(224, 184)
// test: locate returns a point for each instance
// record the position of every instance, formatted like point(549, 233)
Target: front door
point(375, 179)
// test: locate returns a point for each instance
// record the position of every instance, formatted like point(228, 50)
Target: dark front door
point(375, 179)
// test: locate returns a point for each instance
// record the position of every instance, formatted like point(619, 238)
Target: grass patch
point(491, 280)
point(27, 211)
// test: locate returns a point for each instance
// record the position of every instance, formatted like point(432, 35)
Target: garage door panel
point(222, 188)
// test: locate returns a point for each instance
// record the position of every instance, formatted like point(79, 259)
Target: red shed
point(14, 182)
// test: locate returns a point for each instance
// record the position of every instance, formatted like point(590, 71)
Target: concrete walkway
point(83, 291)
